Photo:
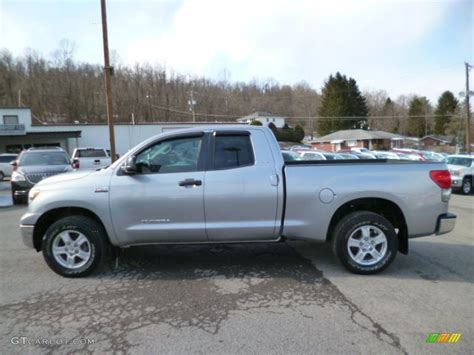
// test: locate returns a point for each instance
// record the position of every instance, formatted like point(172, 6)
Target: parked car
point(348, 156)
point(461, 168)
point(360, 155)
point(312, 155)
point(408, 156)
point(414, 154)
point(432, 156)
point(289, 155)
point(332, 156)
point(5, 167)
point(158, 192)
point(90, 158)
point(34, 165)
point(381, 154)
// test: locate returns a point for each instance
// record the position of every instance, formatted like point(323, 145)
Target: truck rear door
point(241, 188)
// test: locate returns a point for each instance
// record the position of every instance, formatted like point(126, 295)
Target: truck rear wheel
point(365, 242)
point(74, 246)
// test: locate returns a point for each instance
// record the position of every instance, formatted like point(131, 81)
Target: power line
point(302, 117)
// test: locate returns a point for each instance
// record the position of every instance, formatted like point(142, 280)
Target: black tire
point(466, 188)
point(96, 238)
point(2, 176)
point(17, 200)
point(350, 226)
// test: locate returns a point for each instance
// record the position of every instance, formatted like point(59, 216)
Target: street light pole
point(192, 103)
point(108, 84)
point(468, 111)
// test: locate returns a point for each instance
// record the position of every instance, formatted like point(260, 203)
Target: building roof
point(71, 125)
point(15, 108)
point(61, 134)
point(258, 114)
point(356, 135)
point(445, 139)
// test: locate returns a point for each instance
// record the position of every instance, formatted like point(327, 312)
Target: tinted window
point(44, 158)
point(7, 158)
point(172, 156)
point(232, 152)
point(91, 153)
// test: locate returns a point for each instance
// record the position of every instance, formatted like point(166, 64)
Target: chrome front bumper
point(446, 223)
point(456, 182)
point(27, 234)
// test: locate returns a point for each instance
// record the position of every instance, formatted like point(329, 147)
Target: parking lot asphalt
point(289, 297)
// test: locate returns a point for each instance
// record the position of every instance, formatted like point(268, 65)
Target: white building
point(265, 118)
point(17, 132)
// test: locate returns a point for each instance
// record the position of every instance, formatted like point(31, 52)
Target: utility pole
point(19, 98)
point(150, 115)
point(192, 103)
point(468, 111)
point(108, 85)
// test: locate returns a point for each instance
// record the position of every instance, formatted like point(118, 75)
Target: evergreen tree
point(417, 111)
point(447, 104)
point(342, 98)
point(274, 129)
point(298, 134)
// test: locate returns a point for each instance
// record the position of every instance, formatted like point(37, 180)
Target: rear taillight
point(442, 178)
point(76, 165)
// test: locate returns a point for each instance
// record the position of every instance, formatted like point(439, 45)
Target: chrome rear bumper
point(446, 223)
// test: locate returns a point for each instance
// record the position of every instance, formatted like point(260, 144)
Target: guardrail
point(12, 129)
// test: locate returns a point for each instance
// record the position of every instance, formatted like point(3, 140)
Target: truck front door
point(163, 201)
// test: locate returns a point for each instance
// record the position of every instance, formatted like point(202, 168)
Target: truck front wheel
point(467, 185)
point(74, 246)
point(365, 242)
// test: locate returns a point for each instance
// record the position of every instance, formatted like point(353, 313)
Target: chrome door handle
point(274, 180)
point(190, 182)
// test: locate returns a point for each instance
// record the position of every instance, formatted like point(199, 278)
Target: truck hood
point(453, 168)
point(73, 175)
point(38, 169)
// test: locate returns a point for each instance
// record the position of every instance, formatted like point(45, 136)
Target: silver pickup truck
point(228, 185)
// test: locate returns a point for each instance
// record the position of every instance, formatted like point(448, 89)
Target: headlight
point(17, 176)
point(33, 194)
point(456, 172)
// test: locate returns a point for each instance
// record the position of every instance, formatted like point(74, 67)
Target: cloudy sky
point(400, 46)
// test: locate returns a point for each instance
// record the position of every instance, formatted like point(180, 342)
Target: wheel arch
point(53, 215)
point(384, 207)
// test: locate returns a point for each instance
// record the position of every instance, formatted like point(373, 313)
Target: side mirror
point(129, 167)
point(75, 163)
point(14, 164)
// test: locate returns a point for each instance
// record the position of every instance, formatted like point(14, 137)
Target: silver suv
point(34, 165)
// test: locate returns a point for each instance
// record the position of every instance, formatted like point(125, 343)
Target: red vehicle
point(409, 151)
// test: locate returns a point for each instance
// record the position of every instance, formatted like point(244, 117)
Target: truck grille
point(35, 178)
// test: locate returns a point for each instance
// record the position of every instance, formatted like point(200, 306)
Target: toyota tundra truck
point(232, 185)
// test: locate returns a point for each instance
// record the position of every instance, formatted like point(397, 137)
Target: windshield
point(459, 161)
point(44, 158)
point(290, 156)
